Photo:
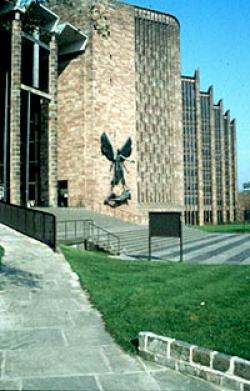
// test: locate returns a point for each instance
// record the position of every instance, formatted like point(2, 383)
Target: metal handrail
point(108, 234)
point(84, 233)
point(34, 223)
point(89, 230)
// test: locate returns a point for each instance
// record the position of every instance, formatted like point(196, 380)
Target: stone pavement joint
point(51, 337)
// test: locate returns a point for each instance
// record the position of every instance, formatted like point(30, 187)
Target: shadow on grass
point(18, 277)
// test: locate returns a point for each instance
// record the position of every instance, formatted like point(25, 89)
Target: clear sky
point(215, 37)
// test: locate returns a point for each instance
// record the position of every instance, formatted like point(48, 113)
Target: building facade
point(31, 39)
point(130, 87)
point(84, 67)
point(210, 158)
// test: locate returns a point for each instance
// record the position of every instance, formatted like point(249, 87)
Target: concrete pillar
point(223, 178)
point(52, 136)
point(213, 160)
point(44, 169)
point(230, 169)
point(234, 168)
point(200, 185)
point(15, 104)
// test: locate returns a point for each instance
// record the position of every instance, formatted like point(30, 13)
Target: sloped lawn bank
point(200, 304)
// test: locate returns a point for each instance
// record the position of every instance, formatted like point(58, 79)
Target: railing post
point(55, 232)
point(119, 245)
point(44, 223)
point(98, 234)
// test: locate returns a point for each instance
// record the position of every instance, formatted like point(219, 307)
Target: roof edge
point(151, 10)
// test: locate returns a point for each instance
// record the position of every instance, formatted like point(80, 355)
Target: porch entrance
point(34, 149)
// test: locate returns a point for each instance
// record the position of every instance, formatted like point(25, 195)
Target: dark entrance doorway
point(33, 149)
point(62, 193)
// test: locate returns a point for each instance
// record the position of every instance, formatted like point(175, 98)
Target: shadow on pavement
point(18, 277)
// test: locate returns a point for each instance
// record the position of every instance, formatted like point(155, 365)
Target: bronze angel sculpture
point(117, 165)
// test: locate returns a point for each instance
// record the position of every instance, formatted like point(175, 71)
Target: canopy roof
point(70, 39)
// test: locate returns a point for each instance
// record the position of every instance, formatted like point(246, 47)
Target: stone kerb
point(230, 372)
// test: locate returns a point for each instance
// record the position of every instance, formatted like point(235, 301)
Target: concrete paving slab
point(168, 381)
point(10, 322)
point(72, 383)
point(67, 304)
point(54, 361)
point(30, 339)
point(120, 362)
point(86, 318)
point(85, 337)
point(1, 363)
point(46, 318)
point(10, 385)
point(129, 382)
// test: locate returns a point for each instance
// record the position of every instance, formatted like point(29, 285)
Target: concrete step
point(133, 238)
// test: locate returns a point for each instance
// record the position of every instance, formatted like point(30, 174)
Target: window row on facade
point(210, 162)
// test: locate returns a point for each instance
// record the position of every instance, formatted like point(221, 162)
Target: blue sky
point(215, 37)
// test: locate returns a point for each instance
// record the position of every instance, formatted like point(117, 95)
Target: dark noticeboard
point(166, 224)
point(247, 215)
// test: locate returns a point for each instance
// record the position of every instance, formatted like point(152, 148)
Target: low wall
point(232, 373)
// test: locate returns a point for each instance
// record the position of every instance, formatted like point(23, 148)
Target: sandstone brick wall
point(112, 107)
point(97, 93)
point(158, 99)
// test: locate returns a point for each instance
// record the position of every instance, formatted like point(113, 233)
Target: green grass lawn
point(227, 228)
point(200, 304)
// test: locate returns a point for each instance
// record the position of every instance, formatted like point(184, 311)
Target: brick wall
point(158, 98)
point(97, 93)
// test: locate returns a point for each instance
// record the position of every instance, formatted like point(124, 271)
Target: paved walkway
point(51, 338)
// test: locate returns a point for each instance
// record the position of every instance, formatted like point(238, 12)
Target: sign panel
point(247, 214)
point(165, 224)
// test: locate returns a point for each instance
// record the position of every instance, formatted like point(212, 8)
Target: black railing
point(77, 231)
point(74, 230)
point(36, 224)
point(105, 239)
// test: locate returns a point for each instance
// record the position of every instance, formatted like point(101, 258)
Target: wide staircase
point(114, 235)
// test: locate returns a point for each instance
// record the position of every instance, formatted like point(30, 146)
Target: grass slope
point(200, 304)
point(226, 228)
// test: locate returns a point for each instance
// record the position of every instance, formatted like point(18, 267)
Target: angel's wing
point(106, 147)
point(126, 150)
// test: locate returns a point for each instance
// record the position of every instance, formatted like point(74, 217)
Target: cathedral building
point(74, 70)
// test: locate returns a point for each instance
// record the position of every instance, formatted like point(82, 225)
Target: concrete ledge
point(232, 373)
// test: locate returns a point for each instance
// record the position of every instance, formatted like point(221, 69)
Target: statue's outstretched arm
point(128, 160)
